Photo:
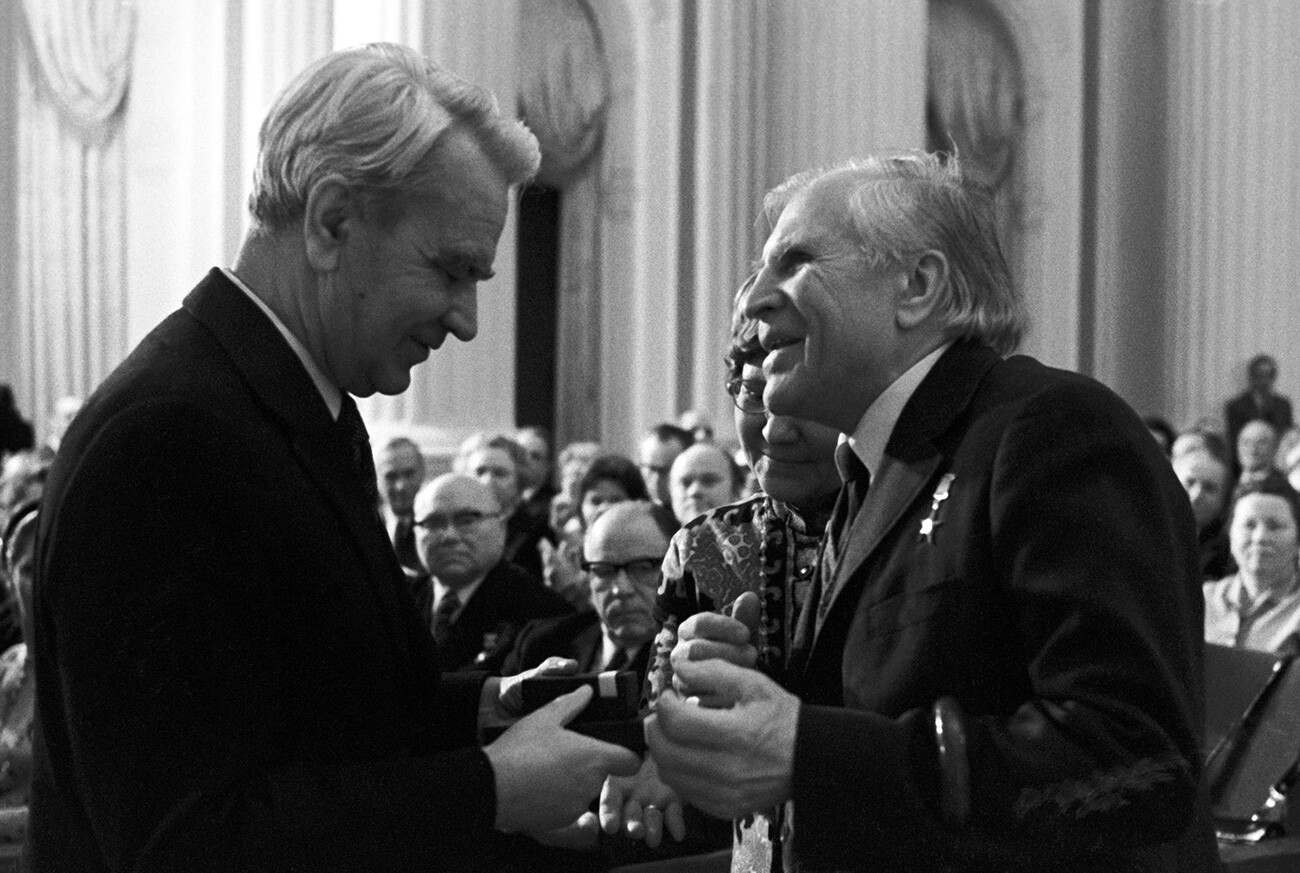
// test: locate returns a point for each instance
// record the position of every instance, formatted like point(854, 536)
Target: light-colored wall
point(1161, 266)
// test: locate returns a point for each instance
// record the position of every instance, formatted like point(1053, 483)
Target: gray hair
point(907, 202)
point(371, 114)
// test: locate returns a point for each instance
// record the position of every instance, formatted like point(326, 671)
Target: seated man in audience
point(659, 448)
point(1256, 448)
point(401, 473)
point(1205, 477)
point(475, 601)
point(622, 553)
point(1258, 401)
point(496, 461)
point(703, 477)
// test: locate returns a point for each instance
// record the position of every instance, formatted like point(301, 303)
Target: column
point(1233, 198)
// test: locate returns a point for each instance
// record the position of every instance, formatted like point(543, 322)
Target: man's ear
point(926, 279)
point(326, 222)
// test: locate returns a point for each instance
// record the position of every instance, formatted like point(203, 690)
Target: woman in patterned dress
point(767, 544)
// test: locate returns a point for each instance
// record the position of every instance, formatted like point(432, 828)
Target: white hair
point(370, 115)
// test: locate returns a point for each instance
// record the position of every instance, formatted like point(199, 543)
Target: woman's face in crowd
point(602, 495)
point(1263, 538)
point(793, 459)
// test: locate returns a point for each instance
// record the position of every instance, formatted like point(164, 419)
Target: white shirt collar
point(463, 594)
point(329, 392)
point(869, 439)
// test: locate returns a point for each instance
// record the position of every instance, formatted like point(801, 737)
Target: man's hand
point(641, 806)
point(707, 635)
point(728, 762)
point(509, 699)
point(547, 776)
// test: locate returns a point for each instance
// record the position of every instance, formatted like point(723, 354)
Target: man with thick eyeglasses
point(622, 553)
point(475, 602)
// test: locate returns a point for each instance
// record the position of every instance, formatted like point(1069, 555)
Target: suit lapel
point(911, 460)
point(288, 396)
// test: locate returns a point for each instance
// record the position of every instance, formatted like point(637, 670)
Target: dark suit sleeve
point(1086, 544)
point(168, 598)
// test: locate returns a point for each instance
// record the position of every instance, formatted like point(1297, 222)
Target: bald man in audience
point(474, 601)
point(401, 470)
point(703, 477)
point(622, 553)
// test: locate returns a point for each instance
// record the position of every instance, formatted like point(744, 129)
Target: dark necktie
point(618, 661)
point(404, 544)
point(442, 617)
point(857, 479)
point(357, 440)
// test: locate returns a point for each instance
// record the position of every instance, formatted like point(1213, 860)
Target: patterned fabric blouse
point(757, 545)
point(1269, 623)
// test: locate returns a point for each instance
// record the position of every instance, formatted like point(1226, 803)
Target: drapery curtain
point(83, 49)
point(563, 86)
point(976, 88)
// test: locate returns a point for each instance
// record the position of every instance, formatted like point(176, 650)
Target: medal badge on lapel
point(931, 521)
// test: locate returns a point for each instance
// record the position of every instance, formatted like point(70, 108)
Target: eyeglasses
point(604, 574)
point(747, 394)
point(462, 521)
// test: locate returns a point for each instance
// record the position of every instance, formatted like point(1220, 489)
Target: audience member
point(697, 425)
point(474, 600)
point(17, 678)
point(1162, 431)
point(401, 473)
point(1203, 440)
point(231, 673)
point(496, 461)
point(1256, 448)
point(535, 475)
point(1258, 607)
point(1020, 572)
point(655, 455)
point(22, 480)
point(622, 553)
point(65, 410)
point(1258, 401)
point(610, 479)
point(1292, 468)
point(702, 478)
point(1205, 478)
point(15, 432)
point(573, 461)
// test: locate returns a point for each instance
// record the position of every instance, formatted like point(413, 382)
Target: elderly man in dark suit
point(622, 553)
point(999, 667)
point(232, 673)
point(474, 600)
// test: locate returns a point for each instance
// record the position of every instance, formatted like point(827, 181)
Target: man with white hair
point(232, 673)
point(998, 665)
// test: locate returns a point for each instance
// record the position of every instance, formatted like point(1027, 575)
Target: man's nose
point(461, 320)
point(780, 429)
point(763, 297)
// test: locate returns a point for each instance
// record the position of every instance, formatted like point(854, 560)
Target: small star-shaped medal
point(931, 521)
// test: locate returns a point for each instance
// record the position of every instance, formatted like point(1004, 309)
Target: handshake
point(721, 738)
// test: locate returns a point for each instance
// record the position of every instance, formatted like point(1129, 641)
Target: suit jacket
point(578, 636)
point(232, 674)
point(1056, 598)
point(1243, 408)
point(485, 629)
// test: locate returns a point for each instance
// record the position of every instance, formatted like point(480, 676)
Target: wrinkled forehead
point(700, 459)
point(819, 211)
